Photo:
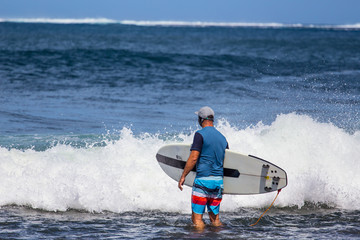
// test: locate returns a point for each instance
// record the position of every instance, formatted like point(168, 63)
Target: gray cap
point(204, 112)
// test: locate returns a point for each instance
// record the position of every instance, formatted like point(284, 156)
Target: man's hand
point(181, 183)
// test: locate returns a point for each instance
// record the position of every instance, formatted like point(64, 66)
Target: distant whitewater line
point(174, 23)
point(60, 20)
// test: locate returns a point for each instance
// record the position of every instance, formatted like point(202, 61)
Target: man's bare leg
point(197, 220)
point(215, 219)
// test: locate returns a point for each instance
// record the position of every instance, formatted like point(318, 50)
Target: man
point(207, 153)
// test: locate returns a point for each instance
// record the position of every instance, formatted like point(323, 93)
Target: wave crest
point(178, 23)
point(321, 161)
point(60, 20)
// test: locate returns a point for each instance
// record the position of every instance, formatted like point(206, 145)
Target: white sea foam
point(321, 160)
point(177, 23)
point(202, 24)
point(350, 26)
point(60, 20)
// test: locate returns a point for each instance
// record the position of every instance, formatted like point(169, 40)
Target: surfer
point(207, 153)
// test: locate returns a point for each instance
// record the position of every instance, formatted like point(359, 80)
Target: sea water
point(85, 107)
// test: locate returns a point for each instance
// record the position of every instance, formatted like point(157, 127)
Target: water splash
point(122, 175)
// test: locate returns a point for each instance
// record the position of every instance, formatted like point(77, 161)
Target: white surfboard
point(243, 175)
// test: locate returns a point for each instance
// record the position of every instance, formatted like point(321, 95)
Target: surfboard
point(243, 175)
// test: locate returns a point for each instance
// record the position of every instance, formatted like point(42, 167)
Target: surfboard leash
point(266, 209)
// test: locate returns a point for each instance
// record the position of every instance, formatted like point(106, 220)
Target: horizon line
point(176, 23)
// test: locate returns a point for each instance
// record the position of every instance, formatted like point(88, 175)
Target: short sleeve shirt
point(211, 144)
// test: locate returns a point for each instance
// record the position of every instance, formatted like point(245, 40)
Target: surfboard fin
point(268, 189)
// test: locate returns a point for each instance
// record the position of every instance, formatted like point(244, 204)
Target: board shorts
point(207, 192)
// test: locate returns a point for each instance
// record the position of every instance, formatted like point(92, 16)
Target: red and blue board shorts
point(207, 192)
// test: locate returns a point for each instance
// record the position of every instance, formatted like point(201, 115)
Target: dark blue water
point(85, 78)
point(82, 105)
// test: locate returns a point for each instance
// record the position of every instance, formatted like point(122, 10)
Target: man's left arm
point(190, 164)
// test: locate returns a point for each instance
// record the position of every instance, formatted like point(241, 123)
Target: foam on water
point(60, 20)
point(177, 23)
point(322, 162)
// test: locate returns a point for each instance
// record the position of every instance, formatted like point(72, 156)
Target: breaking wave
point(178, 23)
point(321, 160)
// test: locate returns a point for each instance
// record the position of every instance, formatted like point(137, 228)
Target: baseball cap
point(204, 112)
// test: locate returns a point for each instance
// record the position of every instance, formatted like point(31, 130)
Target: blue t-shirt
point(211, 144)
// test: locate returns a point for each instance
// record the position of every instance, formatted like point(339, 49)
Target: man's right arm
point(190, 164)
point(195, 149)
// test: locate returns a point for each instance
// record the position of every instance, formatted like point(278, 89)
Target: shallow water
point(27, 223)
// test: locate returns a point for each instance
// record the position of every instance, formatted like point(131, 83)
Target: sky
point(253, 11)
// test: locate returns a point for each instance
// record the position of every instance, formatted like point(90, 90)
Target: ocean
point(86, 104)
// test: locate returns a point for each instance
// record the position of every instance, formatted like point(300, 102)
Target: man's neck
point(207, 123)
